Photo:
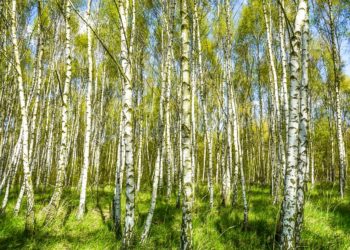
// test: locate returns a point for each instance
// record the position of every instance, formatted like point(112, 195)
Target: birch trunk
point(186, 227)
point(226, 189)
point(127, 114)
point(117, 191)
point(210, 169)
point(303, 130)
point(38, 77)
point(13, 166)
point(84, 173)
point(276, 106)
point(180, 159)
point(201, 85)
point(154, 196)
point(239, 156)
point(139, 160)
point(63, 151)
point(337, 72)
point(168, 148)
point(286, 240)
point(161, 143)
point(285, 102)
point(30, 217)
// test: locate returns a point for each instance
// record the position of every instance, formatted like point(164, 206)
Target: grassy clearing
point(327, 223)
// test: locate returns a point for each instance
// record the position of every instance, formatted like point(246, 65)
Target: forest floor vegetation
point(327, 222)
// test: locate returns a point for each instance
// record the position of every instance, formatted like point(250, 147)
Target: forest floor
point(327, 222)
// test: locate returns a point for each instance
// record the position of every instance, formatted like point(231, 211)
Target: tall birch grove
point(172, 124)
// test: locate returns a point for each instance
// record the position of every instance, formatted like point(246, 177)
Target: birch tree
point(30, 217)
point(337, 72)
point(187, 204)
point(127, 120)
point(63, 150)
point(303, 129)
point(85, 168)
point(286, 239)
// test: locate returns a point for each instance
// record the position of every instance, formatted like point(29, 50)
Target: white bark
point(139, 160)
point(118, 185)
point(168, 147)
point(210, 169)
point(226, 189)
point(284, 67)
point(63, 150)
point(289, 209)
point(13, 166)
point(154, 196)
point(276, 105)
point(162, 139)
point(127, 114)
point(24, 126)
point(303, 131)
point(186, 227)
point(84, 173)
point(337, 72)
point(239, 157)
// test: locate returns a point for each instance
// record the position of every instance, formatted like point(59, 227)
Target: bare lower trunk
point(153, 198)
point(139, 161)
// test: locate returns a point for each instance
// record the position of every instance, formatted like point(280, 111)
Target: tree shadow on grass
point(99, 208)
point(326, 198)
point(67, 214)
point(261, 222)
point(43, 240)
point(315, 241)
point(165, 228)
point(258, 235)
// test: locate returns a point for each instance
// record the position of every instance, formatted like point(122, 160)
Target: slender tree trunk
point(117, 191)
point(285, 100)
point(276, 106)
point(303, 130)
point(180, 163)
point(227, 68)
point(210, 169)
point(84, 173)
point(63, 151)
point(37, 79)
point(162, 140)
point(139, 160)
point(336, 70)
point(13, 167)
point(149, 218)
point(128, 140)
point(239, 155)
point(30, 217)
point(168, 147)
point(286, 239)
point(49, 154)
point(193, 96)
point(186, 227)
point(236, 142)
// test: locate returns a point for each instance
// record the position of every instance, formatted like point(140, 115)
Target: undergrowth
point(327, 222)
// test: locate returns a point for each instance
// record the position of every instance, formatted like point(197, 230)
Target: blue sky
point(345, 55)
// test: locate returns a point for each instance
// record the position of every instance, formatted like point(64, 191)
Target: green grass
point(327, 222)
